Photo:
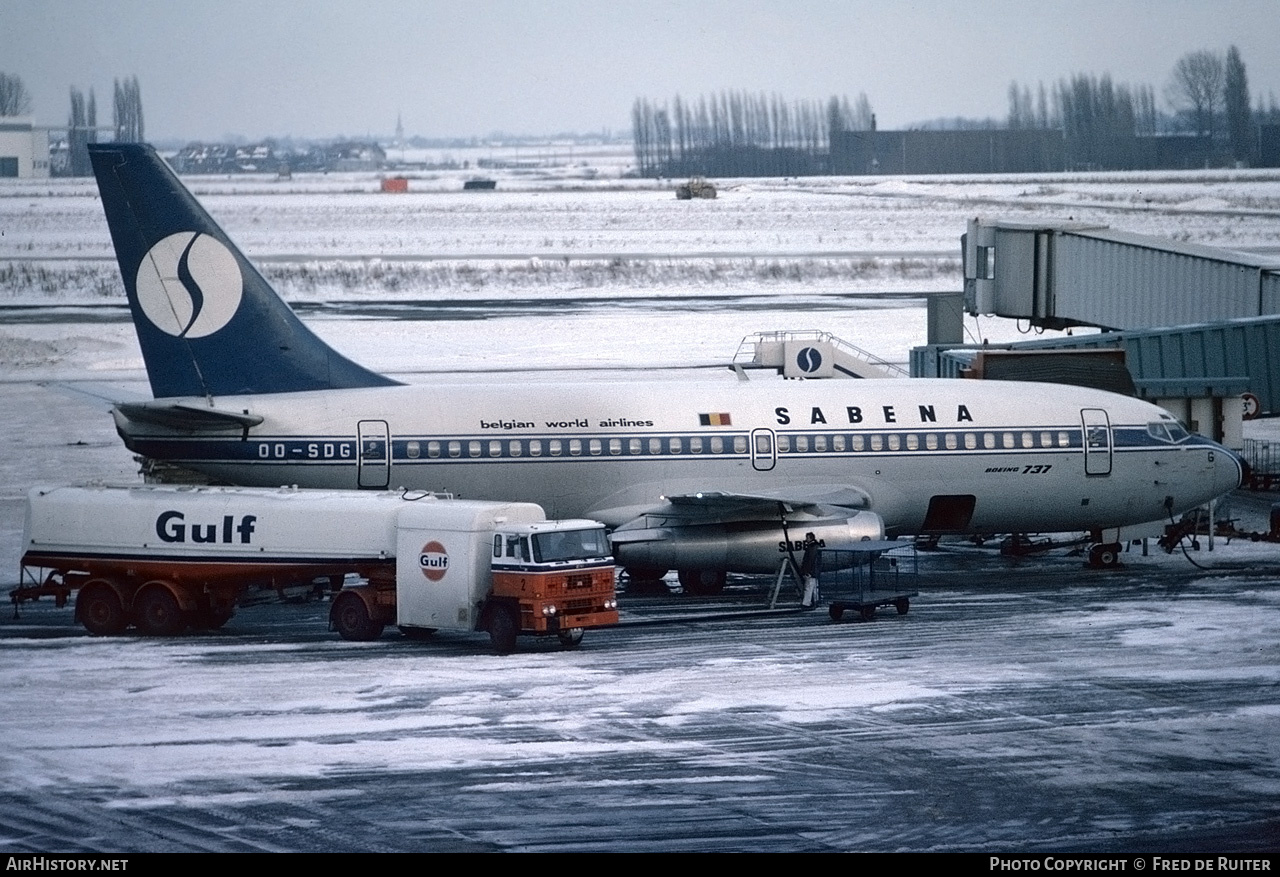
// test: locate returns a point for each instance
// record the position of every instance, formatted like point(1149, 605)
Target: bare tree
point(1196, 89)
point(15, 100)
point(1236, 102)
point(127, 111)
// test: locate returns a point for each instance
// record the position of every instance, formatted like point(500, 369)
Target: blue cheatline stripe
point(344, 450)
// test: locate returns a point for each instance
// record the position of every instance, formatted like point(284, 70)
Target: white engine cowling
point(748, 546)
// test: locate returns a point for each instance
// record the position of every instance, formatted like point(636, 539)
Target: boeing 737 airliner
point(702, 477)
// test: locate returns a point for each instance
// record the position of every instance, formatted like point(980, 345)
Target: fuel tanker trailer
point(164, 558)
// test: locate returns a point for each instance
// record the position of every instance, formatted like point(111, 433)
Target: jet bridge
point(1190, 318)
point(1062, 274)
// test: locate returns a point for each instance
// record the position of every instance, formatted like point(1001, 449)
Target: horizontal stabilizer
point(190, 418)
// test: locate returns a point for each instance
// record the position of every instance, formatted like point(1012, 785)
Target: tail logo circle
point(809, 360)
point(189, 285)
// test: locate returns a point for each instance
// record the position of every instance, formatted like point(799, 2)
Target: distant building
point(24, 149)
point(986, 151)
point(226, 158)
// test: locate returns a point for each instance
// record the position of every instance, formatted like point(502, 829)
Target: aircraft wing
point(795, 504)
point(798, 499)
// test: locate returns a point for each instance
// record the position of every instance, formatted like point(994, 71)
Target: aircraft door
point(373, 465)
point(1097, 441)
point(764, 449)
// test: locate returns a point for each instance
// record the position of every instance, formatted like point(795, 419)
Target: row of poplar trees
point(734, 133)
point(82, 126)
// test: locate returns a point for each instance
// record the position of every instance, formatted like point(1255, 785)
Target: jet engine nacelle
point(750, 547)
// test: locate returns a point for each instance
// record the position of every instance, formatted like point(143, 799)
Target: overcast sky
point(325, 68)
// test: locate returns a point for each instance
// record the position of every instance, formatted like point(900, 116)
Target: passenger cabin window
point(495, 448)
point(575, 447)
point(695, 445)
point(819, 443)
point(615, 446)
point(413, 449)
point(674, 446)
point(739, 444)
point(634, 446)
point(837, 443)
point(655, 446)
point(433, 449)
point(595, 447)
point(555, 447)
point(535, 447)
point(515, 448)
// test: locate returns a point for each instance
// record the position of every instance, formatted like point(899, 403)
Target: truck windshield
point(569, 545)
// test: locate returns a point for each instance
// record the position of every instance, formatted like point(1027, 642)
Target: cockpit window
point(1167, 431)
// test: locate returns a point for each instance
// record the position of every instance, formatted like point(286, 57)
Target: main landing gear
point(1104, 556)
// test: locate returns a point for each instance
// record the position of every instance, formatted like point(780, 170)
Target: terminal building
point(24, 149)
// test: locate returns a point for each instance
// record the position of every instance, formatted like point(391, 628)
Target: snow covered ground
point(1022, 704)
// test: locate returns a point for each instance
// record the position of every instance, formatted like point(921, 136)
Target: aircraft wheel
point(350, 618)
point(702, 582)
point(902, 604)
point(836, 611)
point(158, 612)
point(571, 638)
point(504, 627)
point(1104, 556)
point(99, 609)
point(868, 613)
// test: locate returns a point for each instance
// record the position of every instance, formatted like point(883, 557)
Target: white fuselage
point(1033, 457)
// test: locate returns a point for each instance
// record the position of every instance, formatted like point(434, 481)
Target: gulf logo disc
point(433, 560)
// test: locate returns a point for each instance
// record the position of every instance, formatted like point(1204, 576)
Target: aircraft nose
point(1246, 471)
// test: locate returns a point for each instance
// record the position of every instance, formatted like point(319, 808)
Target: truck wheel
point(902, 604)
point(158, 612)
point(702, 582)
point(571, 638)
point(504, 627)
point(99, 609)
point(350, 618)
point(836, 611)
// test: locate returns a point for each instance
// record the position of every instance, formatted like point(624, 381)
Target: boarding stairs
point(811, 354)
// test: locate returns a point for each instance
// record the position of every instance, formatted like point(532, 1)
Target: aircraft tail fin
point(208, 323)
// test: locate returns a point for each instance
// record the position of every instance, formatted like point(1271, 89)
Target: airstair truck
point(167, 558)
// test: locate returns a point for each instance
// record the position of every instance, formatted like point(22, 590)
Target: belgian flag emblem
point(718, 419)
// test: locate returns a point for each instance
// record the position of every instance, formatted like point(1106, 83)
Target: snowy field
point(1022, 704)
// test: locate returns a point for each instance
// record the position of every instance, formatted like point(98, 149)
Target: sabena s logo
point(189, 285)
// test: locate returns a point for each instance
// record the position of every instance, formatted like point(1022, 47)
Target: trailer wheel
point(571, 638)
point(99, 609)
point(836, 611)
point(902, 604)
point(504, 627)
point(868, 613)
point(350, 618)
point(158, 612)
